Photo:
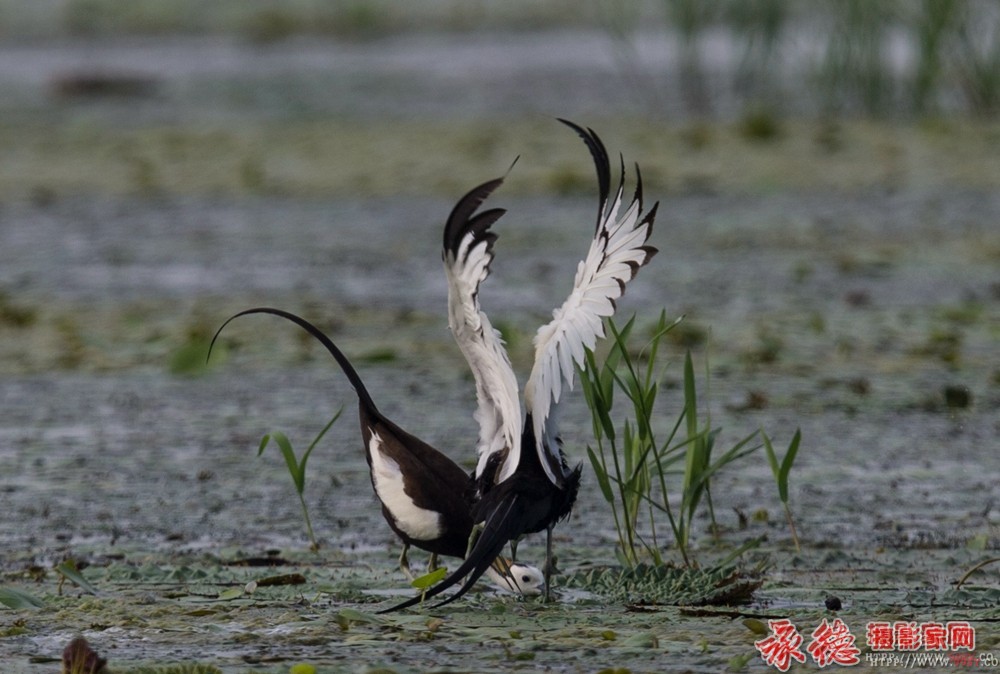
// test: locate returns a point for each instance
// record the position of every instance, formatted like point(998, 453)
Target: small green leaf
point(642, 640)
point(738, 663)
point(231, 593)
point(786, 463)
point(977, 542)
point(690, 396)
point(350, 615)
point(69, 570)
point(263, 443)
point(285, 445)
point(16, 599)
point(428, 579)
point(599, 396)
point(305, 457)
point(781, 472)
point(756, 626)
point(602, 476)
point(772, 458)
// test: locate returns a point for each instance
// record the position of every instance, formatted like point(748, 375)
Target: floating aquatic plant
point(178, 669)
point(724, 584)
point(68, 570)
point(13, 598)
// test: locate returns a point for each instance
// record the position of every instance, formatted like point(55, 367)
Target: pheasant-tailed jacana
point(425, 496)
point(522, 481)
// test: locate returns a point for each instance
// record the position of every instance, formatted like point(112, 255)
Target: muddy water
point(844, 313)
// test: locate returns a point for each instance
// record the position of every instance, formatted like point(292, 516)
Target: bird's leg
point(473, 537)
point(404, 563)
point(513, 549)
point(548, 560)
point(432, 563)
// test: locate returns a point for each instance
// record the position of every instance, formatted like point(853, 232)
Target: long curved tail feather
point(504, 522)
point(345, 365)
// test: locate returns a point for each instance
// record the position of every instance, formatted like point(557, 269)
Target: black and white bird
point(425, 496)
point(522, 481)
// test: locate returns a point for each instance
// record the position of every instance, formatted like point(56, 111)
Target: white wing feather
point(616, 253)
point(467, 257)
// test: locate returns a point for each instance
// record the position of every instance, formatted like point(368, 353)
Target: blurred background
point(170, 151)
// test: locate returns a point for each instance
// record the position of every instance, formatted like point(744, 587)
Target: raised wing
point(617, 252)
point(468, 252)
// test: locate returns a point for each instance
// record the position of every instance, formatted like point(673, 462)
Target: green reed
point(297, 468)
point(639, 460)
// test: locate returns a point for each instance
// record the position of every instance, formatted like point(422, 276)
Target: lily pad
point(671, 586)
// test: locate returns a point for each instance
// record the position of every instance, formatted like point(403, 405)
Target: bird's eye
point(525, 579)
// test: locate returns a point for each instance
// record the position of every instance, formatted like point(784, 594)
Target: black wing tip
point(638, 186)
point(463, 215)
point(573, 125)
point(602, 163)
point(649, 219)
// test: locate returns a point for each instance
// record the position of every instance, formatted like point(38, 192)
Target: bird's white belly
point(418, 523)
